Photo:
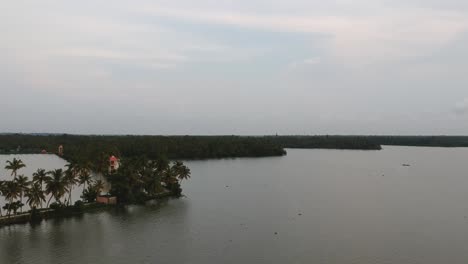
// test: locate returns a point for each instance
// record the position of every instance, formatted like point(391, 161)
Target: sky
point(244, 67)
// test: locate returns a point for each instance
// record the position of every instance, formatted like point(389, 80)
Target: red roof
point(113, 158)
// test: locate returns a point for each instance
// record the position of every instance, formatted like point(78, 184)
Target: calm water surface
point(312, 206)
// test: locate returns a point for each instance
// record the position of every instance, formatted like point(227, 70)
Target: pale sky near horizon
point(245, 67)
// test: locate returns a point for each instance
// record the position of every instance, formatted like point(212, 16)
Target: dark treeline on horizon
point(98, 147)
point(89, 148)
point(421, 141)
point(368, 142)
point(326, 142)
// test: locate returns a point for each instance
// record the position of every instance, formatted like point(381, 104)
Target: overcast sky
point(234, 67)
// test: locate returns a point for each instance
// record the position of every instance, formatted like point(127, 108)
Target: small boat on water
point(406, 165)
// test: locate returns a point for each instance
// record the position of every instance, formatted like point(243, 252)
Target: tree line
point(326, 142)
point(422, 141)
point(79, 148)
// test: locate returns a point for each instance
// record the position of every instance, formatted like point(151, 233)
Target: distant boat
point(406, 165)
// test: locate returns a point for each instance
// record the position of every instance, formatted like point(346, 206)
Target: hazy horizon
point(223, 67)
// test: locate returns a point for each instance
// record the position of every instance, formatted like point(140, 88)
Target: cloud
point(215, 57)
point(387, 35)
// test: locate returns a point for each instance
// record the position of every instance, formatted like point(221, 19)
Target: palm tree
point(71, 178)
point(84, 178)
point(35, 195)
point(151, 178)
point(56, 186)
point(23, 184)
point(98, 186)
point(182, 171)
point(40, 176)
point(14, 166)
point(11, 192)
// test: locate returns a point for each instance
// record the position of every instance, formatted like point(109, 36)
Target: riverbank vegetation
point(136, 181)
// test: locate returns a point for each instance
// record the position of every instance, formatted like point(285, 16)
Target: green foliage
point(13, 206)
point(35, 195)
point(139, 179)
point(421, 141)
point(89, 194)
point(56, 206)
point(96, 149)
point(14, 166)
point(326, 142)
point(56, 185)
point(78, 206)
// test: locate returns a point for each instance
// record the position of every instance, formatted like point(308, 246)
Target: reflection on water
point(312, 206)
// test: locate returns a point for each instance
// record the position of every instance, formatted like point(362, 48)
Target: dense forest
point(79, 148)
point(326, 142)
point(368, 142)
point(85, 148)
point(423, 141)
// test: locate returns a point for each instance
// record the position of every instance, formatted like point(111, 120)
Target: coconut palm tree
point(71, 178)
point(151, 178)
point(98, 186)
point(11, 192)
point(14, 166)
point(23, 184)
point(35, 195)
point(56, 186)
point(40, 176)
point(182, 171)
point(84, 178)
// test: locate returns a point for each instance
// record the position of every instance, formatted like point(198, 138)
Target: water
point(325, 206)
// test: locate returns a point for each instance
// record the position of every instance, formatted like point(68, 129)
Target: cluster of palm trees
point(57, 184)
point(140, 179)
point(136, 180)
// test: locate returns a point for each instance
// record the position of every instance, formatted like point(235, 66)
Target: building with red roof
point(114, 163)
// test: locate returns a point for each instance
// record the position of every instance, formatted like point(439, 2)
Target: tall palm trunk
point(21, 200)
point(69, 194)
point(84, 187)
point(48, 202)
point(9, 206)
point(43, 191)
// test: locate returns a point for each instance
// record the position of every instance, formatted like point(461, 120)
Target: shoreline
point(68, 211)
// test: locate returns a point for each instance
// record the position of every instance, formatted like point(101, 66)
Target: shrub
point(56, 206)
point(89, 195)
point(78, 206)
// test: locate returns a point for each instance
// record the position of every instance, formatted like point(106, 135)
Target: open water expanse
point(311, 206)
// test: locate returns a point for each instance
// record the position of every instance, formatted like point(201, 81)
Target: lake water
point(311, 206)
